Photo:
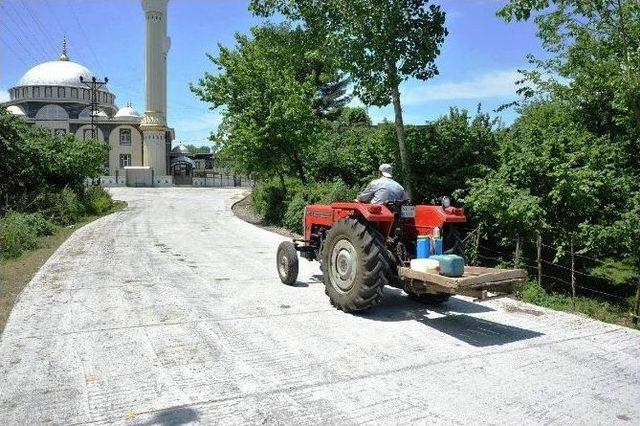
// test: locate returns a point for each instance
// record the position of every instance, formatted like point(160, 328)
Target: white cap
point(385, 169)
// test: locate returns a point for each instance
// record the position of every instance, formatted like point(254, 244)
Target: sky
point(478, 63)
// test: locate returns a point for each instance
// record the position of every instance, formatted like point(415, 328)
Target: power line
point(15, 54)
point(14, 14)
point(86, 37)
point(38, 25)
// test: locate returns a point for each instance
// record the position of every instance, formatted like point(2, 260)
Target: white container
point(425, 265)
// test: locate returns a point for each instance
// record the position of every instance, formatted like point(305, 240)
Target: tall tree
point(379, 43)
point(269, 85)
point(594, 46)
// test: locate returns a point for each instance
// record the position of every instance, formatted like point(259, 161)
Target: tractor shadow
point(455, 322)
point(173, 417)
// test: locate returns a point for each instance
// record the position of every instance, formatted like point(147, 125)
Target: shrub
point(19, 232)
point(66, 207)
point(97, 200)
point(317, 193)
point(40, 224)
point(269, 201)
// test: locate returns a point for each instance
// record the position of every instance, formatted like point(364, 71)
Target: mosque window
point(125, 160)
point(52, 112)
point(125, 136)
point(61, 92)
point(74, 93)
point(36, 92)
point(48, 92)
point(87, 134)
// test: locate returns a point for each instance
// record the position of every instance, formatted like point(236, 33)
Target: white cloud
point(487, 85)
point(4, 95)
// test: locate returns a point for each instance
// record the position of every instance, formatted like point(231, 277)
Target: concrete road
point(171, 312)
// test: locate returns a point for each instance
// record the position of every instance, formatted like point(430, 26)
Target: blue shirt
point(382, 190)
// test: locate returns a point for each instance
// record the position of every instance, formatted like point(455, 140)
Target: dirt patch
point(244, 210)
point(16, 273)
point(513, 308)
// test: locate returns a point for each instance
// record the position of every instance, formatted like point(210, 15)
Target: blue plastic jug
point(437, 246)
point(423, 247)
point(450, 264)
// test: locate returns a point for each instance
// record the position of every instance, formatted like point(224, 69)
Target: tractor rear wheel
point(287, 262)
point(429, 298)
point(354, 265)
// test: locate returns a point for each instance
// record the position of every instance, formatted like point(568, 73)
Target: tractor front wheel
point(354, 266)
point(287, 262)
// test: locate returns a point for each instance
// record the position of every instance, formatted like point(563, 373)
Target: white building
point(51, 95)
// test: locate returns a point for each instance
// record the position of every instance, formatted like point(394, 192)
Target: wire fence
point(568, 273)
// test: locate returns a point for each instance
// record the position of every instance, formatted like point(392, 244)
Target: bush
point(269, 201)
point(66, 207)
point(19, 232)
point(40, 224)
point(97, 201)
point(317, 193)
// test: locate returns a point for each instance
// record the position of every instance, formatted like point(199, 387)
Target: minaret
point(154, 122)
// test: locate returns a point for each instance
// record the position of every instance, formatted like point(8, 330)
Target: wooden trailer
point(477, 282)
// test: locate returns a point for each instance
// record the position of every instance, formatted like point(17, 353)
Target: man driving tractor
point(383, 189)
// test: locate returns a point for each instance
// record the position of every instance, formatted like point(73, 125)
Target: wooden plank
point(474, 277)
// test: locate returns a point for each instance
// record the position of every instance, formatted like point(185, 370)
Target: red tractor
point(363, 247)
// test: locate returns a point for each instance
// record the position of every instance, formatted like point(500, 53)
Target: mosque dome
point(62, 72)
point(180, 150)
point(56, 73)
point(127, 112)
point(16, 110)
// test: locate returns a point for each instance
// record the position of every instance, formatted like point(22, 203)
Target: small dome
point(86, 113)
point(16, 110)
point(180, 149)
point(127, 111)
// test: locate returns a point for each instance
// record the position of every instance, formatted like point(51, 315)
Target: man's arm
point(367, 194)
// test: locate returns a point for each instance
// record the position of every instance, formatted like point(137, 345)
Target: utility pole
point(94, 85)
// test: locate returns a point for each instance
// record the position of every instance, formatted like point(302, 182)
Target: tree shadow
point(174, 417)
point(456, 322)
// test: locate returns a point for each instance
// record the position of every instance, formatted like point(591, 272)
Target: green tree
point(594, 48)
point(549, 161)
point(269, 85)
point(379, 43)
point(470, 144)
point(34, 161)
point(355, 116)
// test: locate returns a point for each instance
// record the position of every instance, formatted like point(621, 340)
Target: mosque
point(53, 95)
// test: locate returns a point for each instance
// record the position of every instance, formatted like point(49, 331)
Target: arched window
point(48, 92)
point(74, 93)
point(52, 112)
point(125, 137)
point(61, 92)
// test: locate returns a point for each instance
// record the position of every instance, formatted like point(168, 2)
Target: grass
point(16, 273)
point(601, 310)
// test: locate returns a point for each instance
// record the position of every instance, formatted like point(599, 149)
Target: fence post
point(573, 274)
point(539, 258)
point(637, 310)
point(477, 243)
point(516, 256)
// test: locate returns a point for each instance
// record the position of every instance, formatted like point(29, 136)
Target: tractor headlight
point(446, 202)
